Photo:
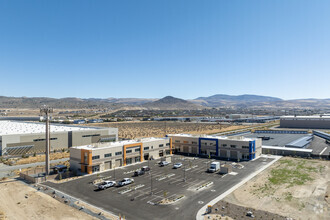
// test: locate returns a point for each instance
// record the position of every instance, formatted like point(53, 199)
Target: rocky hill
point(169, 102)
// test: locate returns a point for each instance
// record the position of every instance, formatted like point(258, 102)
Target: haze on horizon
point(151, 49)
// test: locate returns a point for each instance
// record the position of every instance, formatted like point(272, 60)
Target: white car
point(106, 184)
point(177, 165)
point(163, 163)
point(125, 181)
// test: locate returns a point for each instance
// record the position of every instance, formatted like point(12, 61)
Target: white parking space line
point(158, 192)
point(177, 180)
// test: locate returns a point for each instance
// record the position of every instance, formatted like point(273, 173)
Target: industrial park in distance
point(178, 164)
point(165, 110)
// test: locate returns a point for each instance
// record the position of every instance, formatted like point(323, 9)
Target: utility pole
point(47, 111)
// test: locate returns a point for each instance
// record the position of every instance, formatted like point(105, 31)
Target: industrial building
point(105, 156)
point(232, 148)
point(17, 138)
point(306, 122)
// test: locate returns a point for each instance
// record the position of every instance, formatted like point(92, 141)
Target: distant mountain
point(230, 100)
point(63, 103)
point(130, 101)
point(170, 102)
point(166, 103)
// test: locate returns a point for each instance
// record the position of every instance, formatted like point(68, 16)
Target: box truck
point(214, 167)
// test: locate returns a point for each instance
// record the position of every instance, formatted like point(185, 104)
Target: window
point(193, 142)
point(52, 139)
point(233, 146)
point(118, 153)
point(177, 141)
point(224, 145)
point(110, 139)
point(128, 151)
point(161, 145)
point(137, 150)
point(245, 147)
point(146, 148)
point(167, 144)
point(91, 135)
point(96, 157)
point(108, 155)
point(211, 144)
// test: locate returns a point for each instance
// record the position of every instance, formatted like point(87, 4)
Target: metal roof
point(301, 142)
point(14, 127)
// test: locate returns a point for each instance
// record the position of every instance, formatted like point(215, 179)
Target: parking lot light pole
point(184, 170)
point(150, 182)
point(114, 173)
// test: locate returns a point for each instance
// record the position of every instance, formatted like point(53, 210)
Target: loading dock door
point(233, 154)
point(107, 165)
point(118, 163)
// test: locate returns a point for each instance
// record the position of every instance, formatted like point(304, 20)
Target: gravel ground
point(223, 208)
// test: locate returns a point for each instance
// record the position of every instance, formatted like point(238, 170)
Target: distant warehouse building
point(307, 122)
point(233, 148)
point(17, 138)
point(105, 156)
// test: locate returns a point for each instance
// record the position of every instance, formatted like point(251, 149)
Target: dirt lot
point(159, 129)
point(225, 210)
point(37, 158)
point(298, 188)
point(19, 201)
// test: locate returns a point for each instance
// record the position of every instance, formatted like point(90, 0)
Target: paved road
point(174, 186)
point(6, 170)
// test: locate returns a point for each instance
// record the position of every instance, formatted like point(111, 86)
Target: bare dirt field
point(159, 129)
point(224, 210)
point(19, 201)
point(292, 187)
point(37, 158)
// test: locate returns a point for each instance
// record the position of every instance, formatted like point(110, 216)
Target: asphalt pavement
point(161, 182)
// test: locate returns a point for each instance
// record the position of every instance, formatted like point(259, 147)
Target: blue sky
point(154, 48)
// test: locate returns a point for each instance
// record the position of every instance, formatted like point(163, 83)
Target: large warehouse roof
point(306, 117)
point(238, 138)
point(13, 127)
point(117, 143)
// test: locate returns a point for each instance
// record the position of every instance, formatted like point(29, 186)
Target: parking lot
point(140, 199)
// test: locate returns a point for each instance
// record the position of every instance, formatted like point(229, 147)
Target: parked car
point(107, 184)
point(139, 172)
point(163, 163)
point(125, 181)
point(177, 165)
point(145, 168)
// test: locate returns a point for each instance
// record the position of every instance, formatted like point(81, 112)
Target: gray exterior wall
point(228, 148)
point(106, 163)
point(13, 144)
point(307, 123)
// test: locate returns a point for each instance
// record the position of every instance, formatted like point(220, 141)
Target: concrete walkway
point(6, 170)
point(200, 214)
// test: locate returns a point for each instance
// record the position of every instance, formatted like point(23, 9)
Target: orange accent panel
point(170, 145)
point(133, 145)
point(89, 160)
